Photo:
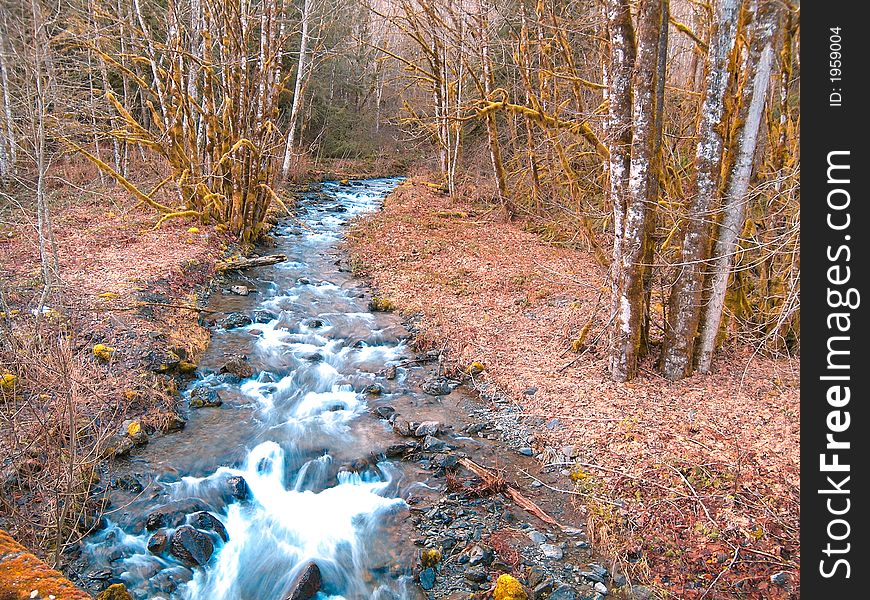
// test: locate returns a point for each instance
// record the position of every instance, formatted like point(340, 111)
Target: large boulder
point(306, 584)
point(191, 546)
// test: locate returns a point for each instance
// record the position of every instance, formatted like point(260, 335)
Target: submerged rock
point(402, 426)
point(174, 513)
point(191, 546)
point(264, 316)
point(306, 584)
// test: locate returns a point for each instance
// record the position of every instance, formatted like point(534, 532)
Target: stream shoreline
point(477, 533)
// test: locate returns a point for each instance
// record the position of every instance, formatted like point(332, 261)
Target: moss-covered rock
point(508, 588)
point(116, 591)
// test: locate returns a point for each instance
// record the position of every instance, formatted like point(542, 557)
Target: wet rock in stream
point(203, 396)
point(238, 487)
point(237, 366)
point(208, 522)
point(234, 320)
point(306, 584)
point(191, 546)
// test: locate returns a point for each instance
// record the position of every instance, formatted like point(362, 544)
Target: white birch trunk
point(760, 64)
point(684, 306)
point(301, 70)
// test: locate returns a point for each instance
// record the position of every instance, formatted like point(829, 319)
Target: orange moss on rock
point(21, 572)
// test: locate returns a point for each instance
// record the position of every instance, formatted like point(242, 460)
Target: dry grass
point(115, 274)
point(700, 467)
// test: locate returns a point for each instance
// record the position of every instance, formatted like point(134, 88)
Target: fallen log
point(247, 263)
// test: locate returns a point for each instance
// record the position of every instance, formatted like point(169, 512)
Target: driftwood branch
point(247, 263)
point(514, 493)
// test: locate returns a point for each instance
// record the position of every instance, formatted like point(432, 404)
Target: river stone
point(306, 584)
point(238, 365)
point(399, 450)
point(264, 316)
point(537, 536)
point(203, 396)
point(391, 372)
point(476, 574)
point(118, 446)
point(191, 546)
point(427, 578)
point(157, 542)
point(238, 487)
point(208, 522)
point(563, 592)
point(174, 513)
point(551, 551)
point(433, 444)
point(233, 320)
point(480, 555)
point(402, 426)
point(240, 290)
point(427, 428)
point(385, 412)
point(437, 387)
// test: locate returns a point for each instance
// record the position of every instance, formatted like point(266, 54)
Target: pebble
point(240, 290)
point(601, 588)
point(535, 484)
point(537, 537)
point(427, 578)
point(551, 551)
point(527, 452)
point(778, 578)
point(563, 592)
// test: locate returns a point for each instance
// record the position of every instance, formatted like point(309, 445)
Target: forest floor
point(691, 487)
point(120, 283)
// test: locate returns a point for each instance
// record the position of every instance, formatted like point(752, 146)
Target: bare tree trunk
point(301, 72)
point(47, 257)
point(491, 124)
point(622, 57)
point(759, 64)
point(655, 183)
point(684, 305)
point(629, 273)
point(8, 147)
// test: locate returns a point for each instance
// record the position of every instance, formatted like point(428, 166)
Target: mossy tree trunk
point(684, 304)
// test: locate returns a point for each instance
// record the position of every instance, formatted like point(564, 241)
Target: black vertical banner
point(834, 301)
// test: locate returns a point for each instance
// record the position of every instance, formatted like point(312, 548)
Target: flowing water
point(299, 432)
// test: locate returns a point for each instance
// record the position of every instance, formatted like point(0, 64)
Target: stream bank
point(319, 443)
